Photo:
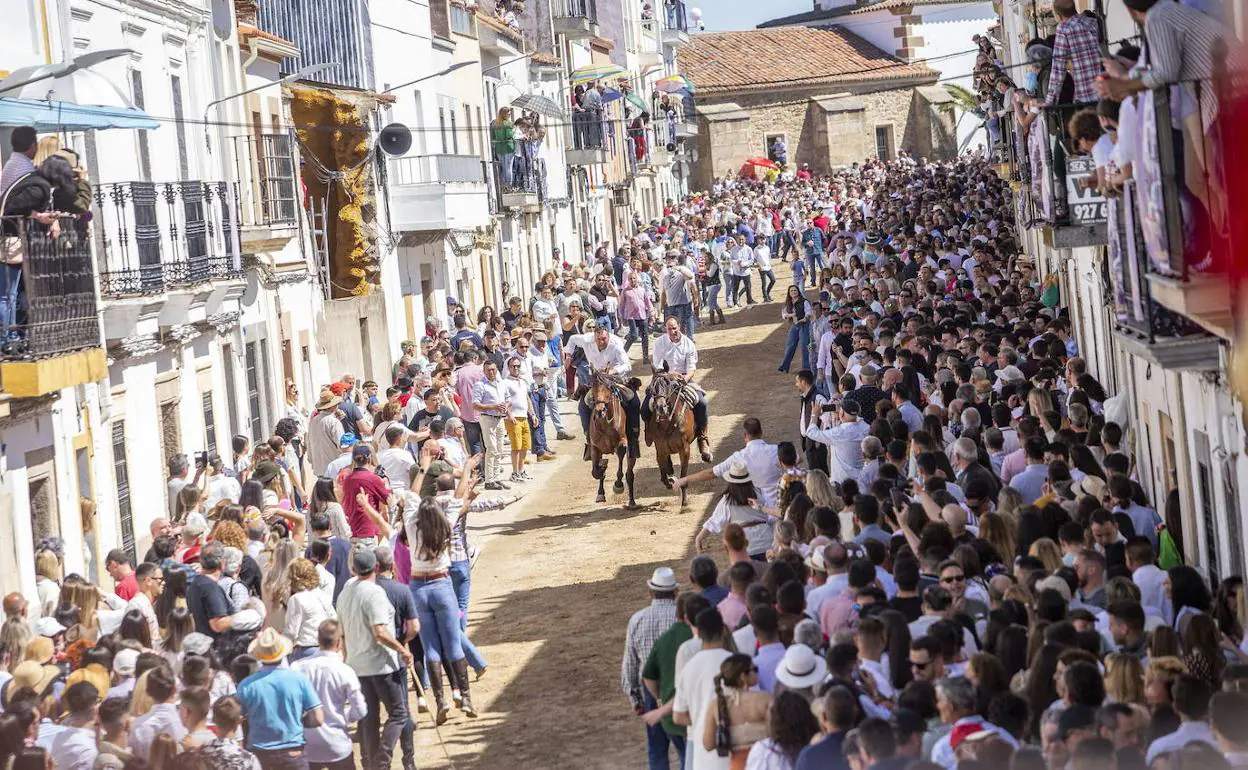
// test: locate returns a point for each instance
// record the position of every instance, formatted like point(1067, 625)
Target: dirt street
point(559, 576)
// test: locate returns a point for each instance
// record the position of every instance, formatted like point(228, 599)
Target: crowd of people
point(952, 563)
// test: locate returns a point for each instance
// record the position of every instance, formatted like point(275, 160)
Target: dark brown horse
point(608, 433)
point(670, 429)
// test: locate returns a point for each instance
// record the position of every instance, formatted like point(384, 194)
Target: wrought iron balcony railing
point(271, 197)
point(53, 310)
point(152, 236)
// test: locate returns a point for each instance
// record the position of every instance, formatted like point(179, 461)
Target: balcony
point(438, 192)
point(589, 139)
point(675, 23)
point(650, 43)
point(1072, 215)
point(1142, 325)
point(662, 142)
point(519, 182)
point(574, 19)
point(176, 241)
point(1178, 235)
point(686, 119)
point(54, 341)
point(498, 39)
point(269, 206)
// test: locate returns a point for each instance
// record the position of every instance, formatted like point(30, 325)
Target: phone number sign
point(1087, 206)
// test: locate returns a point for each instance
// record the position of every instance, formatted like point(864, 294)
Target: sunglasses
point(920, 666)
point(954, 579)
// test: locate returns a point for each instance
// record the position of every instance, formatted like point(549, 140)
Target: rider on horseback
point(605, 352)
point(676, 354)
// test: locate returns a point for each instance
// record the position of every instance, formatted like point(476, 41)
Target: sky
point(723, 15)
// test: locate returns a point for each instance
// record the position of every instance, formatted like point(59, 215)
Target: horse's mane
point(601, 377)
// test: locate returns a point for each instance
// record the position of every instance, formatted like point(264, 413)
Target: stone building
point(833, 97)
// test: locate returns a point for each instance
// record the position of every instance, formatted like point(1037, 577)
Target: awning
point(47, 116)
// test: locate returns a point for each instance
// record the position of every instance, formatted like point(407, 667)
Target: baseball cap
point(363, 561)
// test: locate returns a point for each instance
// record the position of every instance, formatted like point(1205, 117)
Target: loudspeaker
point(671, 147)
point(395, 139)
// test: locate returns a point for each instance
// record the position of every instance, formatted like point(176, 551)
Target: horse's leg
point(632, 501)
point(665, 466)
point(684, 471)
point(599, 474)
point(618, 487)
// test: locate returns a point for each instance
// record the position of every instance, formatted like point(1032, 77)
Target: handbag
point(13, 247)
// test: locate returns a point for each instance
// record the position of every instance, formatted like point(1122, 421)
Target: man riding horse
point(677, 355)
point(605, 353)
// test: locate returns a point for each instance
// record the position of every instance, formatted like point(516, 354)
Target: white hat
point(48, 626)
point(738, 474)
point(1011, 373)
point(195, 525)
point(815, 560)
point(801, 668)
point(124, 662)
point(663, 579)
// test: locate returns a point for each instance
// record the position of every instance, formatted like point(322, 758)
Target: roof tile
point(780, 56)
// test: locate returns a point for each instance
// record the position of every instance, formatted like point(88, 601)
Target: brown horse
point(608, 432)
point(670, 429)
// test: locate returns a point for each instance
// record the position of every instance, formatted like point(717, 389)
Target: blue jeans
point(461, 582)
point(799, 334)
point(438, 611)
point(683, 314)
point(814, 263)
point(473, 438)
point(538, 399)
point(712, 297)
point(637, 330)
point(657, 740)
point(767, 279)
point(10, 290)
point(554, 382)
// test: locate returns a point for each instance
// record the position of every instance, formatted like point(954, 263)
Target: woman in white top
point(306, 608)
point(790, 728)
point(739, 504)
point(47, 581)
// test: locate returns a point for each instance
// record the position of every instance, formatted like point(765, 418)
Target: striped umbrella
point(673, 83)
point(594, 72)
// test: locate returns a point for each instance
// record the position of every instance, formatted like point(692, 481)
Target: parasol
point(762, 163)
point(593, 72)
point(542, 105)
point(674, 83)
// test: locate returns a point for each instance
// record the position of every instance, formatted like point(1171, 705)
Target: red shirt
point(376, 489)
point(127, 588)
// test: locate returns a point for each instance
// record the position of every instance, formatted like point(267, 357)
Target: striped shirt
point(1179, 49)
point(16, 167)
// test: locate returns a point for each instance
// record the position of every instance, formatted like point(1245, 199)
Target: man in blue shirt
point(279, 704)
point(339, 564)
point(812, 247)
point(705, 575)
point(836, 719)
point(462, 332)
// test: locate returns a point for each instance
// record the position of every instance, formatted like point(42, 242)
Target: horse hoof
point(617, 488)
point(600, 499)
point(669, 483)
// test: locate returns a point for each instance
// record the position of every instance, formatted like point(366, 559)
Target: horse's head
point(663, 393)
point(601, 395)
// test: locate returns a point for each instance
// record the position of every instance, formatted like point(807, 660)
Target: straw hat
point(801, 668)
point(269, 646)
point(327, 401)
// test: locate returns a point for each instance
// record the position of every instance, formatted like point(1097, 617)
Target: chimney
point(245, 12)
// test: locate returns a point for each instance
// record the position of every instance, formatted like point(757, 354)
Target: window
point(266, 370)
point(1204, 489)
point(122, 476)
point(175, 84)
point(231, 388)
point(255, 420)
point(210, 425)
point(776, 148)
point(145, 150)
point(472, 150)
point(442, 127)
point(454, 132)
point(884, 142)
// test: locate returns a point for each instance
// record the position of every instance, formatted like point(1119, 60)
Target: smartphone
point(201, 460)
point(899, 498)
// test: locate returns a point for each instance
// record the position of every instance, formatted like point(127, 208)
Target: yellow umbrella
point(594, 72)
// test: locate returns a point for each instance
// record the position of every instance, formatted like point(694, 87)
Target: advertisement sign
point(1087, 206)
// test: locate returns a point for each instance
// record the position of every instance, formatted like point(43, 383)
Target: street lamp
point(447, 71)
point(298, 75)
point(89, 59)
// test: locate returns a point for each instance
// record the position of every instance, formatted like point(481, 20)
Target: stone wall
point(822, 128)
